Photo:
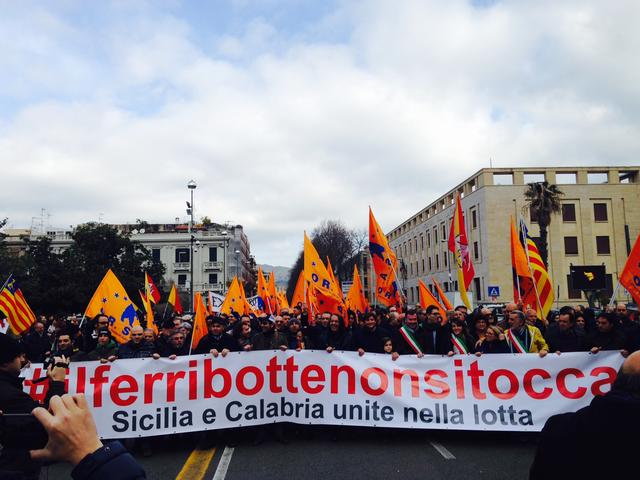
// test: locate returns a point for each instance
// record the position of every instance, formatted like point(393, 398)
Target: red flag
point(150, 288)
point(630, 276)
point(174, 300)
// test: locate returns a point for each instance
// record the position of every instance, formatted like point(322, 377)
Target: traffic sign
point(493, 291)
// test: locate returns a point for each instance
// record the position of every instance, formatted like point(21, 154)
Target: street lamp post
point(191, 186)
point(237, 252)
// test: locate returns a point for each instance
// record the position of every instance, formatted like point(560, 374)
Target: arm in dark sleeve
point(110, 462)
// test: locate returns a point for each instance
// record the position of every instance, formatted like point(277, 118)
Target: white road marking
point(442, 450)
point(223, 464)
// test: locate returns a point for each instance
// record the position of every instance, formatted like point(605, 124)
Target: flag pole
point(615, 292)
point(6, 282)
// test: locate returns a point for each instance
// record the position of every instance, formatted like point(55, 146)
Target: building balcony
point(214, 287)
point(212, 266)
point(181, 266)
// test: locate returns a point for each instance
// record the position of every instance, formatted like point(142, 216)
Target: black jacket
point(596, 442)
point(36, 346)
point(614, 340)
point(209, 342)
point(130, 349)
point(571, 340)
point(370, 341)
point(20, 434)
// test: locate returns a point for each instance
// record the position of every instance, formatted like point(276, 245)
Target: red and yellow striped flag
point(543, 285)
point(459, 246)
point(15, 307)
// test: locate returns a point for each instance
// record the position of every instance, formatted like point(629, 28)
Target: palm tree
point(543, 200)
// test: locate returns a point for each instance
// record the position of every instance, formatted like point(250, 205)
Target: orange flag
point(320, 281)
point(264, 293)
point(427, 298)
point(199, 322)
point(298, 293)
point(273, 293)
point(333, 278)
point(312, 303)
point(247, 306)
point(282, 300)
point(385, 264)
point(443, 298)
point(235, 300)
point(356, 301)
point(523, 290)
point(630, 276)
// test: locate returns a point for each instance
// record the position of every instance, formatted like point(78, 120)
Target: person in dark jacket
point(563, 336)
point(436, 336)
point(22, 433)
point(598, 441)
point(493, 342)
point(163, 343)
point(217, 341)
point(409, 339)
point(336, 337)
point(268, 338)
point(106, 348)
point(137, 347)
point(370, 338)
point(460, 342)
point(177, 346)
point(37, 344)
point(606, 336)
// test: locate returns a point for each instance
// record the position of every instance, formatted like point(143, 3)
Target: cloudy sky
point(288, 112)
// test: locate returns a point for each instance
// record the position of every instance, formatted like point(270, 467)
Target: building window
point(571, 245)
point(213, 255)
point(421, 242)
point(437, 262)
point(213, 278)
point(430, 267)
point(445, 257)
point(566, 178)
point(415, 245)
point(476, 251)
point(568, 212)
point(155, 255)
point(533, 178)
point(435, 235)
point(503, 179)
point(602, 245)
point(600, 212)
point(571, 293)
point(182, 255)
point(444, 231)
point(182, 279)
point(423, 265)
point(428, 240)
point(597, 177)
point(478, 290)
point(474, 219)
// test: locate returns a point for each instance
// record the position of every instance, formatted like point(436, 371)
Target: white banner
point(144, 397)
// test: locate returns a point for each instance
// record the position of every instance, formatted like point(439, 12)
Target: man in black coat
point(608, 335)
point(563, 336)
point(20, 432)
point(370, 338)
point(217, 341)
point(436, 337)
point(37, 344)
point(137, 347)
point(598, 441)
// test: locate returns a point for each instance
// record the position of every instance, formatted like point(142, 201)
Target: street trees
point(543, 200)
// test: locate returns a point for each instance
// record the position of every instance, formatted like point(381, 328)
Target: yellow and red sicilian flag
point(320, 281)
point(151, 289)
point(523, 290)
point(234, 300)
point(385, 264)
point(111, 299)
point(146, 301)
point(199, 322)
point(427, 298)
point(459, 245)
point(444, 301)
point(273, 293)
point(174, 300)
point(15, 307)
point(630, 276)
point(356, 301)
point(543, 285)
point(265, 294)
point(298, 292)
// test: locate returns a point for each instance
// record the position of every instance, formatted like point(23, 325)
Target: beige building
point(598, 224)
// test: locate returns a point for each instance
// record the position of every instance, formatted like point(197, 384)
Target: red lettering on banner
point(562, 386)
point(242, 388)
point(149, 380)
point(210, 374)
point(97, 380)
point(528, 384)
point(397, 382)
point(351, 378)
point(443, 386)
point(312, 373)
point(475, 373)
point(117, 391)
point(513, 383)
point(172, 378)
point(596, 387)
point(290, 368)
point(364, 381)
point(193, 380)
point(459, 379)
point(272, 369)
point(81, 379)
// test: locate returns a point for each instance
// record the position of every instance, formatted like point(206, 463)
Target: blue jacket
point(111, 462)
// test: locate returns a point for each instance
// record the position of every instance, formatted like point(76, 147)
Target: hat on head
point(186, 325)
point(167, 324)
point(215, 320)
point(104, 331)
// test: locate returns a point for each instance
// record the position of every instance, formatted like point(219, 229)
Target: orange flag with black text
point(630, 276)
point(319, 279)
point(385, 265)
point(356, 301)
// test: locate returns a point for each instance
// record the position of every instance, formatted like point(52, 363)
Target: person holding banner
point(371, 337)
point(461, 342)
point(410, 338)
point(177, 346)
point(523, 338)
point(436, 335)
point(217, 341)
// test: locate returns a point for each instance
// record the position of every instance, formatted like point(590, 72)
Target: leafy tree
point(543, 200)
point(206, 222)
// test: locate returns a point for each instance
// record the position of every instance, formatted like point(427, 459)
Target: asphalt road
point(317, 453)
